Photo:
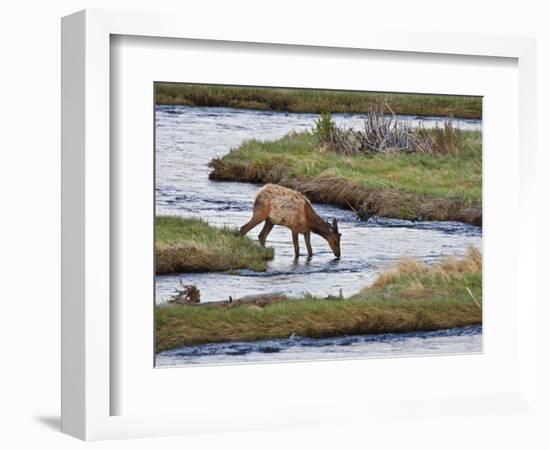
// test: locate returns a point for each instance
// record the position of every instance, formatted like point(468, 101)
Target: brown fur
point(278, 205)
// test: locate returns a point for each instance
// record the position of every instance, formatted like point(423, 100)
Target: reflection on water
point(188, 138)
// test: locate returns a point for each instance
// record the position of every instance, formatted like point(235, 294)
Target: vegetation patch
point(413, 186)
point(408, 297)
point(315, 101)
point(383, 132)
point(191, 245)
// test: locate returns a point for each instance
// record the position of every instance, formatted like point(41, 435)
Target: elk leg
point(296, 245)
point(268, 226)
point(307, 238)
point(250, 224)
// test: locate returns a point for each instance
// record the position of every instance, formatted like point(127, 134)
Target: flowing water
point(188, 138)
point(453, 341)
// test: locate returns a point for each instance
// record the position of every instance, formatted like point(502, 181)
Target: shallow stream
point(188, 138)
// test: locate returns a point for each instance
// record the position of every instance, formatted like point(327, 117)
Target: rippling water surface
point(453, 341)
point(188, 138)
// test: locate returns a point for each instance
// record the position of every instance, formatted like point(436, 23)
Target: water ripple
point(295, 347)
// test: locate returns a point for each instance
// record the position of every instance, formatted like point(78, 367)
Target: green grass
point(410, 297)
point(402, 185)
point(315, 101)
point(438, 176)
point(191, 245)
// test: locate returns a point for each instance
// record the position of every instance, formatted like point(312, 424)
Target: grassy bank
point(408, 297)
point(315, 101)
point(407, 186)
point(191, 245)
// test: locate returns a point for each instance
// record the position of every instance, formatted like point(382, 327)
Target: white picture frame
point(87, 317)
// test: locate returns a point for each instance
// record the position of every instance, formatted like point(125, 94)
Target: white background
point(141, 389)
point(30, 113)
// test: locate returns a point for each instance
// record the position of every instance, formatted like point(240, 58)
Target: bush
point(385, 133)
point(324, 128)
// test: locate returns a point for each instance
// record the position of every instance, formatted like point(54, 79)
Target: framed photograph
point(270, 231)
point(384, 189)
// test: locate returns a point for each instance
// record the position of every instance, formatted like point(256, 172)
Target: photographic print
point(303, 224)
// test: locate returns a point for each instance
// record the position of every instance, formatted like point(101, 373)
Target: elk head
point(333, 238)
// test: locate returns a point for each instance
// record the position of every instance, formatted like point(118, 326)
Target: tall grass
point(411, 297)
point(191, 245)
point(315, 101)
point(415, 275)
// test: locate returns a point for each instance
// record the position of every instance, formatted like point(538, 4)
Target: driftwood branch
point(386, 133)
point(260, 300)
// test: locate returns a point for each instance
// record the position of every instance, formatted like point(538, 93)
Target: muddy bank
point(351, 195)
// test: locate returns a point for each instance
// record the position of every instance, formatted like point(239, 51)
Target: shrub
point(385, 133)
point(324, 128)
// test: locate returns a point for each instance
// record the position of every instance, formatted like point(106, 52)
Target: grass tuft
point(191, 245)
point(409, 271)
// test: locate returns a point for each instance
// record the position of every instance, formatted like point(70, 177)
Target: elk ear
point(335, 225)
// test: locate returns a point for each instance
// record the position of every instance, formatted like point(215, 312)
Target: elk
point(277, 205)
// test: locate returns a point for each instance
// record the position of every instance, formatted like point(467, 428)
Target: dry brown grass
point(353, 195)
point(417, 272)
point(386, 202)
point(384, 132)
point(444, 140)
point(189, 257)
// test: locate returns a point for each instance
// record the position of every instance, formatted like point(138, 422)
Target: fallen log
point(260, 300)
